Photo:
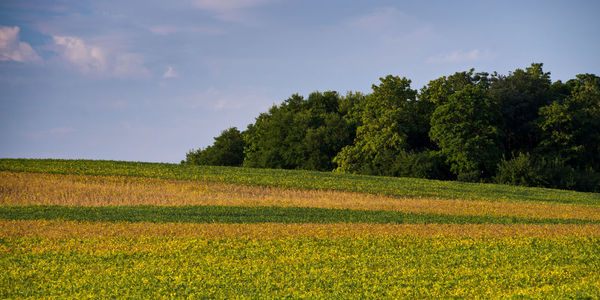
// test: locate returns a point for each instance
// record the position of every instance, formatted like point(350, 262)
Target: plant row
point(258, 214)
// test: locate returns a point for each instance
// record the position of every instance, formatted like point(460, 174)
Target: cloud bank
point(12, 49)
point(96, 59)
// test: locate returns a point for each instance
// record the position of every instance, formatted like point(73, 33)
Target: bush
point(587, 180)
point(557, 174)
point(552, 173)
point(520, 170)
point(425, 164)
point(470, 176)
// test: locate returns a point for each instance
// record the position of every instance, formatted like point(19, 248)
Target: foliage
point(520, 95)
point(526, 170)
point(227, 150)
point(571, 127)
point(424, 164)
point(386, 119)
point(465, 129)
point(520, 170)
point(300, 134)
point(466, 122)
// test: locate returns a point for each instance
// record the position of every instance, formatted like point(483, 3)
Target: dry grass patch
point(49, 189)
point(74, 229)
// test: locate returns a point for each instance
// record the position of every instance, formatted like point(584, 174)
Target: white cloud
point(170, 73)
point(459, 56)
point(11, 48)
point(99, 60)
point(86, 57)
point(229, 10)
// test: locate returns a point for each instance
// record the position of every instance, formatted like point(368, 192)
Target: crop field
point(103, 229)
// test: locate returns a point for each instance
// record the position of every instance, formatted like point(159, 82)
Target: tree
point(436, 93)
point(571, 126)
point(386, 120)
point(466, 130)
point(227, 150)
point(300, 134)
point(520, 96)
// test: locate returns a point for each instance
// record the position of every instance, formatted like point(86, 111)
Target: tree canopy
point(520, 128)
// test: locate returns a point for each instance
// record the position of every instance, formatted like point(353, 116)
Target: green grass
point(403, 187)
point(260, 214)
point(413, 268)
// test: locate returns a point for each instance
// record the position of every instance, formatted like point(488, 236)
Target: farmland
point(404, 187)
point(72, 229)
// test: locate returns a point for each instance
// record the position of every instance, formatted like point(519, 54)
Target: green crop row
point(259, 214)
point(415, 268)
point(403, 187)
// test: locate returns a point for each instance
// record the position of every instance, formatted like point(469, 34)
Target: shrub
point(520, 170)
point(425, 164)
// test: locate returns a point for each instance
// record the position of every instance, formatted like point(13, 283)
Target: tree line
point(519, 129)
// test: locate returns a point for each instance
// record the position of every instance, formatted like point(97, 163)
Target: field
point(73, 229)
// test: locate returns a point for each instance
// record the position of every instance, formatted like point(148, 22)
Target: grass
point(401, 187)
point(256, 214)
point(300, 268)
point(18, 189)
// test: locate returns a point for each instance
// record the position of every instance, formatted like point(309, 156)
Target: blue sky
point(149, 80)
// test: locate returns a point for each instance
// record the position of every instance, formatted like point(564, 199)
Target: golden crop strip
point(77, 190)
point(74, 229)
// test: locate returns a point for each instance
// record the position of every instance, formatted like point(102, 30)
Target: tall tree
point(571, 126)
point(437, 92)
point(386, 120)
point(520, 96)
point(299, 134)
point(466, 130)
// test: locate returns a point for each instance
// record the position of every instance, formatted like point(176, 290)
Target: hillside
point(402, 187)
point(74, 228)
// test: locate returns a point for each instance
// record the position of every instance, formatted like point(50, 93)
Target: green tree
point(571, 126)
point(227, 150)
point(436, 93)
point(300, 134)
point(520, 95)
point(466, 130)
point(386, 122)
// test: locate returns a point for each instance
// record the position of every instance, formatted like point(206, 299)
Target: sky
point(151, 80)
